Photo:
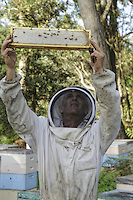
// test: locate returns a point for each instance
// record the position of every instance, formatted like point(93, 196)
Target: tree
point(46, 71)
point(102, 18)
point(91, 21)
point(7, 134)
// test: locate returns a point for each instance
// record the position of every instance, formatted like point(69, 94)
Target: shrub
point(108, 175)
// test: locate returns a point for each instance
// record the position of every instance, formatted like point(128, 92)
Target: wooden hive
point(18, 169)
point(125, 183)
point(16, 161)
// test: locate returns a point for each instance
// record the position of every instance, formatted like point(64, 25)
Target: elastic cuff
point(16, 79)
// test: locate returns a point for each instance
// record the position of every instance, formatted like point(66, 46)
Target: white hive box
point(18, 161)
point(125, 183)
point(118, 149)
point(8, 146)
point(18, 169)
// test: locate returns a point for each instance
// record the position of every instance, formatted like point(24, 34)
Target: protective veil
point(54, 115)
point(69, 159)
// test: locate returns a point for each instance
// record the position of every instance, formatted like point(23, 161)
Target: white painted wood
point(125, 187)
point(8, 146)
point(12, 158)
point(27, 146)
point(117, 148)
point(8, 194)
point(50, 38)
point(19, 168)
point(18, 159)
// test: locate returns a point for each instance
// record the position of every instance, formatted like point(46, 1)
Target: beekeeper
point(70, 144)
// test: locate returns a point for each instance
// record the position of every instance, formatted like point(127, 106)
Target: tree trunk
point(22, 70)
point(92, 22)
point(122, 134)
point(23, 60)
point(128, 119)
point(120, 87)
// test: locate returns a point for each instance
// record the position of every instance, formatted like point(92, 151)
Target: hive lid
point(125, 179)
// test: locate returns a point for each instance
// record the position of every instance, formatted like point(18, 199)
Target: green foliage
point(39, 13)
point(127, 80)
point(120, 164)
point(107, 180)
point(124, 65)
point(37, 181)
point(45, 71)
point(129, 132)
point(7, 135)
point(117, 25)
point(108, 175)
point(8, 138)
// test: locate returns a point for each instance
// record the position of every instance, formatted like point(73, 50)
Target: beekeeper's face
point(74, 103)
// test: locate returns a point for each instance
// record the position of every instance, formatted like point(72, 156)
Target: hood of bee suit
point(54, 114)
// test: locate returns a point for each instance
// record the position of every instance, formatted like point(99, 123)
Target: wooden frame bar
point(41, 38)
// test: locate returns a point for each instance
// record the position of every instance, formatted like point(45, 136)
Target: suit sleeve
point(20, 116)
point(109, 105)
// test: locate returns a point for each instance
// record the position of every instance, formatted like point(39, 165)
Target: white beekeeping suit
point(69, 159)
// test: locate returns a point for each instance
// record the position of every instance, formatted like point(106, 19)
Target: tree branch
point(82, 66)
point(131, 1)
point(107, 8)
point(82, 80)
point(127, 34)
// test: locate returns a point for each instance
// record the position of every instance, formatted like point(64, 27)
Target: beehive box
point(125, 183)
point(18, 169)
point(119, 147)
point(18, 161)
point(18, 181)
point(9, 146)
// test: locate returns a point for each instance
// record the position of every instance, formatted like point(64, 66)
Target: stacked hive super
point(119, 149)
point(18, 170)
